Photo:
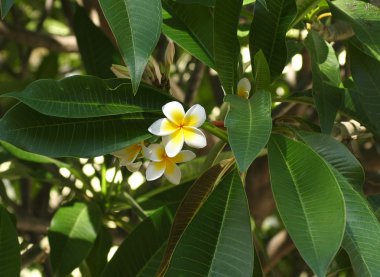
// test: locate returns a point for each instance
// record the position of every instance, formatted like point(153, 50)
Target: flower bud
point(244, 88)
point(169, 53)
point(120, 71)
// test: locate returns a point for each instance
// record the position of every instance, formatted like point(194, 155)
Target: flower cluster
point(177, 129)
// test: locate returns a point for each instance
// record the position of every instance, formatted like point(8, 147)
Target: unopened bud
point(120, 71)
point(244, 88)
point(169, 53)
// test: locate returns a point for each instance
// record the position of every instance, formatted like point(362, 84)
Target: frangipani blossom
point(162, 164)
point(244, 88)
point(128, 155)
point(179, 128)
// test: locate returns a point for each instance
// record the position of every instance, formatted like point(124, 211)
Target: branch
point(53, 43)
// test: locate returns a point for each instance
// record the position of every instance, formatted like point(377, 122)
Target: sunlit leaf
point(218, 241)
point(308, 199)
point(72, 233)
point(249, 125)
point(261, 72)
point(136, 25)
point(89, 96)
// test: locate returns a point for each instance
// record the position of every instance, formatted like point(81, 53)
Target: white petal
point(195, 116)
point(174, 112)
point(146, 151)
point(156, 152)
point(128, 154)
point(194, 137)
point(172, 172)
point(133, 167)
point(183, 156)
point(174, 143)
point(162, 127)
point(155, 170)
point(243, 88)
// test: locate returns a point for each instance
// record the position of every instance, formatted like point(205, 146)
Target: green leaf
point(308, 199)
point(31, 157)
point(208, 3)
point(97, 60)
point(195, 36)
point(5, 6)
point(268, 30)
point(87, 137)
point(10, 258)
point(218, 241)
point(364, 19)
point(303, 7)
point(261, 75)
point(89, 96)
point(151, 267)
point(136, 25)
point(72, 233)
point(249, 125)
point(327, 95)
point(97, 258)
point(362, 233)
point(189, 206)
point(226, 44)
point(364, 71)
point(140, 247)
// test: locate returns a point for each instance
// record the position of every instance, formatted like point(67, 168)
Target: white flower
point(163, 164)
point(243, 88)
point(128, 155)
point(180, 127)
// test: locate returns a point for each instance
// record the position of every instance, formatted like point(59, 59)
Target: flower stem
point(215, 131)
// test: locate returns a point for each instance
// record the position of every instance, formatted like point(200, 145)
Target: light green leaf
point(308, 199)
point(327, 95)
point(5, 6)
point(218, 241)
point(189, 206)
point(136, 25)
point(303, 7)
point(87, 137)
point(226, 44)
point(10, 258)
point(140, 247)
point(365, 71)
point(362, 233)
point(97, 60)
point(261, 72)
point(364, 19)
point(195, 36)
point(268, 30)
point(249, 125)
point(89, 96)
point(72, 233)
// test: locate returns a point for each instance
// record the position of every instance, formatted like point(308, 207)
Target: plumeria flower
point(128, 155)
point(244, 88)
point(162, 164)
point(179, 128)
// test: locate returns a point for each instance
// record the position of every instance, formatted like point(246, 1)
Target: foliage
point(102, 103)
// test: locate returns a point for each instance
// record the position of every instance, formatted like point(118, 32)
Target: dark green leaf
point(72, 233)
point(48, 68)
point(261, 72)
point(208, 3)
point(87, 137)
point(89, 96)
point(195, 36)
point(140, 247)
point(365, 71)
point(268, 30)
point(249, 125)
point(218, 241)
point(303, 7)
point(226, 44)
point(327, 95)
point(97, 60)
point(5, 6)
point(151, 267)
point(362, 233)
point(364, 19)
point(10, 258)
point(136, 25)
point(190, 204)
point(97, 258)
point(308, 199)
